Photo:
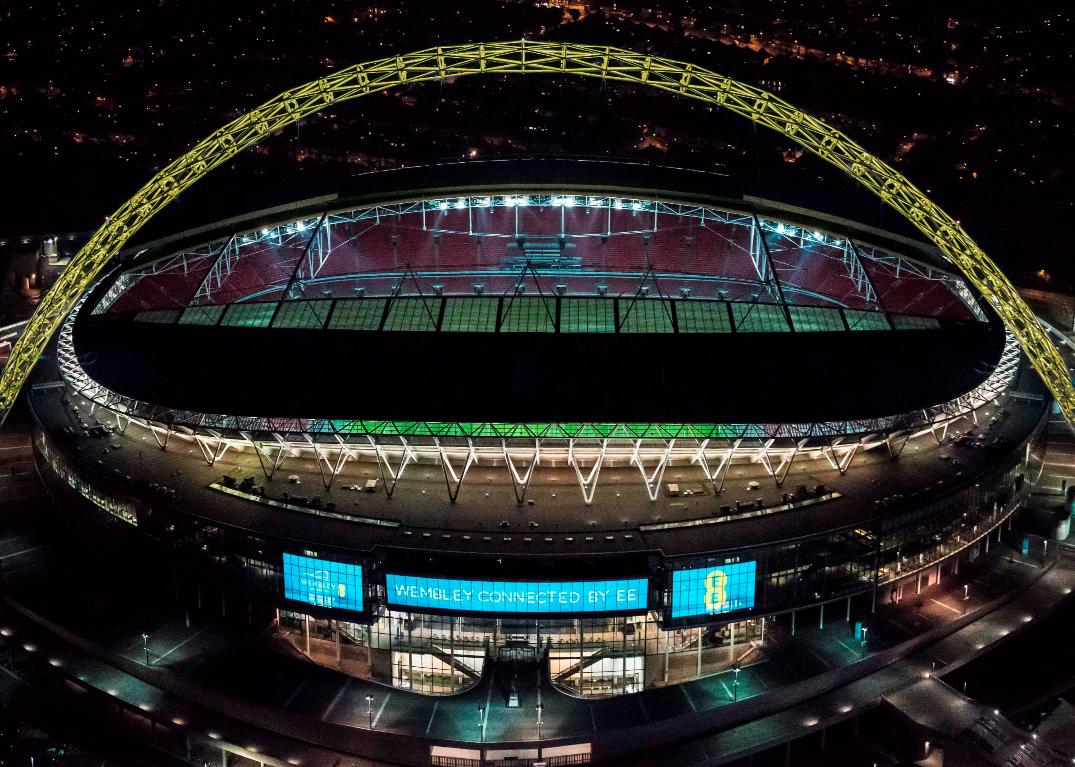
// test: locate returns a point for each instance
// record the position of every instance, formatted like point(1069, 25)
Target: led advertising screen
point(713, 590)
point(322, 582)
point(534, 597)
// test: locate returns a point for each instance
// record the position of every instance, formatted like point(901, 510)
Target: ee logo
point(716, 590)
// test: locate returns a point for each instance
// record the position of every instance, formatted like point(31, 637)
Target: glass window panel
point(759, 318)
point(202, 315)
point(903, 322)
point(857, 320)
point(163, 316)
point(469, 315)
point(413, 314)
point(357, 314)
point(528, 314)
point(587, 315)
point(703, 317)
point(815, 319)
point(646, 315)
point(302, 314)
point(249, 315)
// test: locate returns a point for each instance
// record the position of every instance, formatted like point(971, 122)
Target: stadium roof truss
point(533, 57)
point(519, 447)
point(315, 234)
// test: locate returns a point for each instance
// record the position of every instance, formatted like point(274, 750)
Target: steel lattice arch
point(531, 57)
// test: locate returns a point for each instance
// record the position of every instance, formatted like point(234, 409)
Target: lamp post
point(481, 721)
point(145, 645)
point(735, 681)
point(540, 721)
point(369, 709)
point(865, 631)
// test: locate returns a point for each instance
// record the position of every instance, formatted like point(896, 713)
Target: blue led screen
point(322, 582)
point(713, 590)
point(541, 597)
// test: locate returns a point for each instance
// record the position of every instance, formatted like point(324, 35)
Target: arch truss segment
point(538, 57)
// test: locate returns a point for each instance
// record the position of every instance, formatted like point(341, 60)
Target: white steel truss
point(275, 441)
point(317, 234)
point(520, 481)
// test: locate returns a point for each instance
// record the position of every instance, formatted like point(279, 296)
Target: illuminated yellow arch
point(525, 57)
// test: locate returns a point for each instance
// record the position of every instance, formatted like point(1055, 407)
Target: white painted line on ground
point(642, 705)
point(849, 648)
point(296, 691)
point(432, 714)
point(19, 553)
point(687, 695)
point(381, 709)
point(947, 607)
point(196, 633)
point(336, 699)
point(1025, 564)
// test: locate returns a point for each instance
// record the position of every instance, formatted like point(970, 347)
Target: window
point(904, 322)
point(202, 315)
point(413, 314)
point(163, 316)
point(249, 315)
point(646, 315)
point(703, 316)
point(302, 314)
point(759, 318)
point(470, 315)
point(528, 314)
point(357, 314)
point(815, 319)
point(587, 315)
point(859, 320)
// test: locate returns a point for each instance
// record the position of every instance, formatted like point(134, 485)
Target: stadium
point(568, 430)
point(636, 488)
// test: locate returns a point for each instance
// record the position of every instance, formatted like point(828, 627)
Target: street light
point(865, 631)
point(369, 709)
point(540, 711)
point(481, 721)
point(735, 681)
point(145, 645)
point(966, 591)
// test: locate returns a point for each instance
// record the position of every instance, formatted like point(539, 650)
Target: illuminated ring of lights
point(527, 57)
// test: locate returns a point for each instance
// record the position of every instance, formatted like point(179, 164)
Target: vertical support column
point(410, 652)
point(667, 658)
point(793, 623)
point(699, 651)
point(582, 653)
point(821, 618)
point(306, 631)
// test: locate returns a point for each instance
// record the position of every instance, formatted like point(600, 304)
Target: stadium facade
point(605, 417)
